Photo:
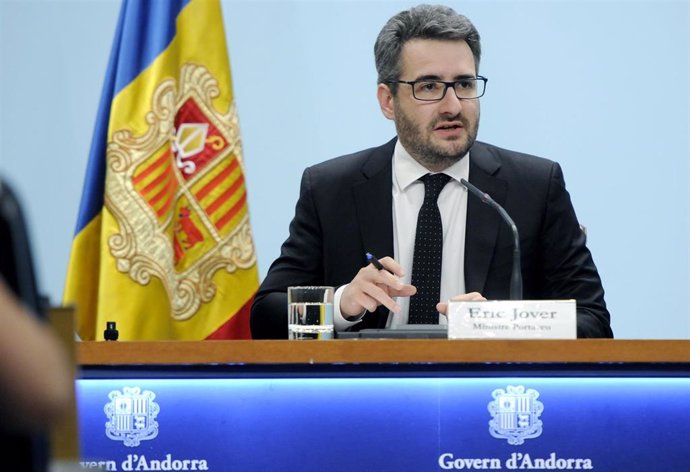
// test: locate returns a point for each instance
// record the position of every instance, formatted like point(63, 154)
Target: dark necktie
point(428, 252)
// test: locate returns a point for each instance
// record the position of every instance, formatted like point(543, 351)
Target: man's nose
point(450, 103)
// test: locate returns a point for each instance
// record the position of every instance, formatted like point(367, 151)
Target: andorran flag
point(163, 245)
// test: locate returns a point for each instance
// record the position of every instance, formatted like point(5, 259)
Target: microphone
point(516, 276)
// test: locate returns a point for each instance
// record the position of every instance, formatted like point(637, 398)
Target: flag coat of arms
point(163, 244)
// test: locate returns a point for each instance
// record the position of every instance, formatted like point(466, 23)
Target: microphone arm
point(516, 276)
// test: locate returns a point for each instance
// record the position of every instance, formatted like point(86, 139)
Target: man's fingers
point(465, 297)
point(372, 287)
point(381, 296)
point(392, 266)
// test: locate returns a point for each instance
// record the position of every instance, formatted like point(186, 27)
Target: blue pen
point(371, 258)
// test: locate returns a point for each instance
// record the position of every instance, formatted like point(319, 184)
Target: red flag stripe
point(156, 182)
point(225, 196)
point(206, 189)
point(237, 326)
point(168, 188)
point(232, 212)
point(166, 205)
point(146, 172)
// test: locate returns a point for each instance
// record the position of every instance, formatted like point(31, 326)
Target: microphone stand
point(516, 275)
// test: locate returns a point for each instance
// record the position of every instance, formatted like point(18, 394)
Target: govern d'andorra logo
point(132, 418)
point(515, 416)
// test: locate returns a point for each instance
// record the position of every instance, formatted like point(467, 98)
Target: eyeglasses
point(467, 88)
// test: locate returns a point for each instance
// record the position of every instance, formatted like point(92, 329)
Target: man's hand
point(467, 297)
point(372, 287)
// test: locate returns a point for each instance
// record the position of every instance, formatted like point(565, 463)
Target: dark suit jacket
point(345, 209)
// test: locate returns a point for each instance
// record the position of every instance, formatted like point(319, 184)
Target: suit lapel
point(374, 202)
point(483, 222)
point(374, 205)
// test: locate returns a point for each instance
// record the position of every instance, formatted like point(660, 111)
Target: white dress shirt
point(408, 195)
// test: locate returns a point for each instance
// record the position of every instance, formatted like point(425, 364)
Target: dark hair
point(421, 22)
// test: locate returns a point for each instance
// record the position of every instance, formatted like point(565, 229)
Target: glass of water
point(310, 312)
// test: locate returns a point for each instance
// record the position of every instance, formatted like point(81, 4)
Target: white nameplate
point(512, 319)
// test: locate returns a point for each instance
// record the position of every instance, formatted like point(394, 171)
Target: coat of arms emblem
point(131, 416)
point(177, 193)
point(515, 414)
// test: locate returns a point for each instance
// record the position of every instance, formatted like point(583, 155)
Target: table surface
point(360, 351)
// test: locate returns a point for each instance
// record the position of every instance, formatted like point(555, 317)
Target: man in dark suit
point(427, 60)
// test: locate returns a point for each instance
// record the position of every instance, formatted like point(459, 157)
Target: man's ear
point(386, 99)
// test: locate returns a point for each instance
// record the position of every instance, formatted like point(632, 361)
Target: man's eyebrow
point(428, 77)
point(438, 77)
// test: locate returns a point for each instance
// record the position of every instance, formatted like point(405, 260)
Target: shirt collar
point(406, 170)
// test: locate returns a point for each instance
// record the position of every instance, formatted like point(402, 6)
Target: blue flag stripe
point(142, 39)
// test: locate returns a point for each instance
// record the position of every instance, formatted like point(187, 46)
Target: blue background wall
point(603, 87)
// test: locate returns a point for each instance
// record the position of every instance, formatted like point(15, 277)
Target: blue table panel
point(400, 424)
